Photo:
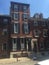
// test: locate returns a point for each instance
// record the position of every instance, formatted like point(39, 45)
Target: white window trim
point(17, 15)
point(14, 45)
point(26, 28)
point(43, 33)
point(15, 28)
point(35, 33)
point(35, 23)
point(3, 48)
point(22, 44)
point(4, 31)
point(43, 23)
point(15, 6)
point(25, 17)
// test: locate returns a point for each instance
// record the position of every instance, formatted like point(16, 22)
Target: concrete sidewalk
point(14, 60)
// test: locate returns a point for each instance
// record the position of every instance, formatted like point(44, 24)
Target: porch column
point(32, 44)
point(27, 45)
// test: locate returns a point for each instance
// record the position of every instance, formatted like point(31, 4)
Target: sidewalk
point(14, 60)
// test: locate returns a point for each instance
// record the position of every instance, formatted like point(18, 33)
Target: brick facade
point(20, 32)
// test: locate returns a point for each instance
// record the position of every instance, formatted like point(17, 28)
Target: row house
point(40, 33)
point(20, 32)
point(4, 35)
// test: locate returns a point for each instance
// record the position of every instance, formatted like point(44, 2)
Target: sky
point(36, 6)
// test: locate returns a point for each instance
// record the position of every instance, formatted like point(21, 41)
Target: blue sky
point(36, 6)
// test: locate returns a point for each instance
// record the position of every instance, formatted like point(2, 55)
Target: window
point(15, 7)
point(47, 44)
point(45, 32)
point(36, 33)
point(16, 27)
point(25, 8)
point(41, 45)
point(15, 16)
point(4, 32)
point(22, 43)
point(47, 24)
point(35, 45)
point(14, 42)
point(35, 23)
point(36, 15)
point(43, 23)
point(25, 16)
point(5, 21)
point(26, 28)
point(4, 46)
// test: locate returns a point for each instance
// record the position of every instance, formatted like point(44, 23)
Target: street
point(22, 61)
point(26, 61)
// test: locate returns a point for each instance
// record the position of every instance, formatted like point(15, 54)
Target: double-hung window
point(4, 32)
point(15, 7)
point(25, 16)
point(5, 21)
point(4, 46)
point(45, 32)
point(15, 16)
point(16, 27)
point(26, 28)
point(14, 42)
point(43, 23)
point(25, 8)
point(36, 33)
point(35, 23)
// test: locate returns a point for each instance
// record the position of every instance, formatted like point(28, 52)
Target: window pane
point(16, 28)
point(5, 32)
point(4, 46)
point(15, 7)
point(45, 32)
point(36, 33)
point(25, 16)
point(35, 23)
point(5, 21)
point(25, 8)
point(26, 29)
point(15, 16)
point(22, 43)
point(14, 42)
point(43, 23)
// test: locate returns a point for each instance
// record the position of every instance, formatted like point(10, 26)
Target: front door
point(35, 46)
point(28, 44)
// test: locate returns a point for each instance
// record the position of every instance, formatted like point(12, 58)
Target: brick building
point(4, 35)
point(19, 31)
point(40, 34)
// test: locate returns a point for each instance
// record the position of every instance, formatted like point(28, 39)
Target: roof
point(19, 3)
point(2, 15)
